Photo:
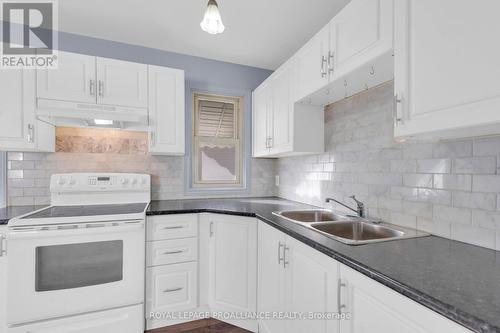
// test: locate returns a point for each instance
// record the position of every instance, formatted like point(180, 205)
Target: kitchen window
point(216, 138)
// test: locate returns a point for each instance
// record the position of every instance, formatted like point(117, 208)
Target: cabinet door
point(166, 111)
point(312, 64)
point(122, 83)
point(282, 111)
point(375, 308)
point(310, 287)
point(271, 293)
point(3, 279)
point(233, 266)
point(362, 31)
point(260, 119)
point(446, 69)
point(19, 128)
point(74, 79)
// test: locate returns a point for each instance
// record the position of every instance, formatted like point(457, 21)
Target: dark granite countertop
point(10, 212)
point(457, 280)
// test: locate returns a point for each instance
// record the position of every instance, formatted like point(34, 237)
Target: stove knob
point(143, 181)
point(124, 181)
point(134, 181)
point(61, 181)
point(72, 182)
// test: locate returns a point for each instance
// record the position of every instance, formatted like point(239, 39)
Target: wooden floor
point(201, 326)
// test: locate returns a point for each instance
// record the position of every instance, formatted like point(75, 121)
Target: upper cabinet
point(84, 88)
point(73, 80)
point(350, 54)
point(19, 128)
point(281, 127)
point(122, 83)
point(313, 64)
point(447, 78)
point(361, 32)
point(166, 111)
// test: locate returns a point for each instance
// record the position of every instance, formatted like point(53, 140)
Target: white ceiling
point(260, 33)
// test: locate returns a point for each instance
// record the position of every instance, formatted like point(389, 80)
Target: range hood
point(65, 113)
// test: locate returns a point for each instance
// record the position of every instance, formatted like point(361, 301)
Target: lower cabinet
point(172, 269)
point(295, 279)
point(375, 308)
point(233, 267)
point(232, 277)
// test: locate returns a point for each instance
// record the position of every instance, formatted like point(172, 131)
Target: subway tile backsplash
point(29, 173)
point(449, 188)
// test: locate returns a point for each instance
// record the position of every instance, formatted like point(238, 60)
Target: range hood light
point(103, 122)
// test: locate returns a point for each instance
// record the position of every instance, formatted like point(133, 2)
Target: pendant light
point(212, 22)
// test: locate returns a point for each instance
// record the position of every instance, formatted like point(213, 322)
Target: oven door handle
point(83, 229)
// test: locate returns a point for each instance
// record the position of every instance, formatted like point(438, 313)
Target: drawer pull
point(172, 290)
point(174, 227)
point(174, 252)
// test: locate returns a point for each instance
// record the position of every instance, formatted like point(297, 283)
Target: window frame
point(238, 142)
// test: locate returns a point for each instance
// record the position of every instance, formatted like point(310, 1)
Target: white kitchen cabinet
point(360, 32)
point(261, 107)
point(87, 87)
point(73, 80)
point(122, 83)
point(20, 130)
point(233, 267)
point(271, 277)
point(3, 278)
point(166, 111)
point(172, 273)
point(295, 278)
point(447, 78)
point(281, 127)
point(375, 308)
point(312, 64)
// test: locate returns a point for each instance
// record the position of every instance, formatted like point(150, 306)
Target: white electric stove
point(78, 265)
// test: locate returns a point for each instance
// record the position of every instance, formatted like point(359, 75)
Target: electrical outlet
point(277, 180)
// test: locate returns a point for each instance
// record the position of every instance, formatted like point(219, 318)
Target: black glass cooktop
point(88, 210)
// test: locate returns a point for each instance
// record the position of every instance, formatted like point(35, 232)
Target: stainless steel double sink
point(348, 229)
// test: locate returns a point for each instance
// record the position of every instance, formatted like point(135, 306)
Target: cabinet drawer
point(171, 251)
point(172, 226)
point(171, 287)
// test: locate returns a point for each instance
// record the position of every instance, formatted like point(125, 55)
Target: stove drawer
point(171, 287)
point(162, 227)
point(171, 251)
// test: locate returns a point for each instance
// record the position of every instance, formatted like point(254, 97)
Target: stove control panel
point(92, 182)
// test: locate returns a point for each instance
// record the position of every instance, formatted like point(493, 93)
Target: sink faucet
point(360, 209)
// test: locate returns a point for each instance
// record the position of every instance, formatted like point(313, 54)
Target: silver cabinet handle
point(280, 258)
point(172, 290)
point(152, 138)
point(331, 58)
point(340, 285)
point(270, 142)
point(2, 251)
point(323, 63)
point(173, 252)
point(31, 133)
point(396, 110)
point(285, 261)
point(174, 227)
point(92, 88)
point(211, 229)
point(101, 88)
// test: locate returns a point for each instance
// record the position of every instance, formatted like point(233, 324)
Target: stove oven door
point(64, 270)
